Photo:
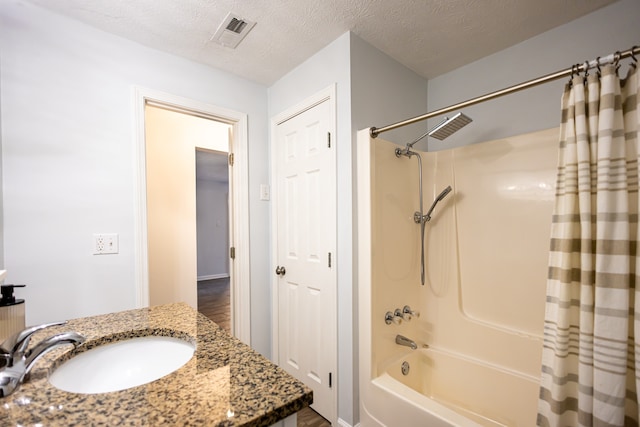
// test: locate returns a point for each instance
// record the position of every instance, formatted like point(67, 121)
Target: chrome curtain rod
point(614, 57)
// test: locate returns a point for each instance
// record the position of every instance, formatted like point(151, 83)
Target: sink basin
point(122, 364)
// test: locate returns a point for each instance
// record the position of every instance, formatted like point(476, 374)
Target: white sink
point(121, 365)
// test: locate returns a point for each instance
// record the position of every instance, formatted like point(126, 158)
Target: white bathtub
point(445, 389)
point(484, 297)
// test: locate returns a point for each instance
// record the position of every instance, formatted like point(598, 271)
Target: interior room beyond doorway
point(185, 243)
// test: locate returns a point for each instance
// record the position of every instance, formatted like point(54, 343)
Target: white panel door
point(306, 240)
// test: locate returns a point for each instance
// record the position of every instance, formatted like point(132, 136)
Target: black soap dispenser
point(11, 312)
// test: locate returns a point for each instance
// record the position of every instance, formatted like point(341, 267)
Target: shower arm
point(412, 143)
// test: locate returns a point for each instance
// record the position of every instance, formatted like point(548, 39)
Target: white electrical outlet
point(105, 244)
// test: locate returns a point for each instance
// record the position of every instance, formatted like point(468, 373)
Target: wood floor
point(310, 418)
point(214, 301)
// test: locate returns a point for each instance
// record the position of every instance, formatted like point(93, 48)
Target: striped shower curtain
point(591, 347)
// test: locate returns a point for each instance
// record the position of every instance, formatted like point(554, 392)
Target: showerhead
point(449, 126)
point(445, 128)
point(443, 194)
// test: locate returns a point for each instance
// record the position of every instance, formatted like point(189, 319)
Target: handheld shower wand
point(427, 217)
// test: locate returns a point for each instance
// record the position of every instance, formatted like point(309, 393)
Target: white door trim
point(329, 95)
point(239, 192)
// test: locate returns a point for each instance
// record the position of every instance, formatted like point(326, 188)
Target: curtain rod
point(374, 132)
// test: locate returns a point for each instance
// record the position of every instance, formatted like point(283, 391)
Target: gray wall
point(213, 227)
point(600, 33)
point(384, 92)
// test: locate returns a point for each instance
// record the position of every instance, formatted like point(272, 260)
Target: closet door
point(305, 209)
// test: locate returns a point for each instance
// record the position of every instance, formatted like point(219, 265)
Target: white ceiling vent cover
point(232, 30)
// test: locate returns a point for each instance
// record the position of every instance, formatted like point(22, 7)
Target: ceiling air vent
point(232, 30)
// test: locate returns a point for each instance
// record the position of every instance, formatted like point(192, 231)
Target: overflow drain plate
point(405, 368)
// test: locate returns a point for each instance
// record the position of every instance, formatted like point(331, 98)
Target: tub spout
point(402, 340)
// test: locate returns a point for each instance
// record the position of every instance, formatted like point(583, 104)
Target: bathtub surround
point(225, 383)
point(482, 306)
point(591, 335)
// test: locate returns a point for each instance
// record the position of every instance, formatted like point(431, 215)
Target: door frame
point(328, 94)
point(238, 193)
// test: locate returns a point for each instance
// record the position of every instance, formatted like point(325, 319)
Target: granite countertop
point(226, 383)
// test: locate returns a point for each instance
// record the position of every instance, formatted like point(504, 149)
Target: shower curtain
point(592, 330)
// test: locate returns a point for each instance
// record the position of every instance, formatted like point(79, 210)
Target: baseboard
point(343, 423)
point(213, 276)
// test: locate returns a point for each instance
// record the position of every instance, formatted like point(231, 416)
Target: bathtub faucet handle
point(390, 318)
point(399, 314)
point(409, 313)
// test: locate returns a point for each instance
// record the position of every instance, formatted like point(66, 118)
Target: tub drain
point(405, 368)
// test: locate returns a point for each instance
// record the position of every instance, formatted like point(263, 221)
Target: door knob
point(280, 271)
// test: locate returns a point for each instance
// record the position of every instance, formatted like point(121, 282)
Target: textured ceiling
point(430, 37)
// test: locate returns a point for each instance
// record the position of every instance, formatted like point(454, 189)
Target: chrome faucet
point(402, 340)
point(16, 361)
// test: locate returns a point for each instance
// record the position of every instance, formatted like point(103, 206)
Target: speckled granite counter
point(226, 383)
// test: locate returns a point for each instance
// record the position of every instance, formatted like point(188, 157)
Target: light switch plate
point(264, 192)
point(105, 243)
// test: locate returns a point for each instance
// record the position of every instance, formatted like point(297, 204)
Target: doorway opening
point(212, 218)
point(185, 257)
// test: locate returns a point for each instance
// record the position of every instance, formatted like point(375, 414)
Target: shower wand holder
point(418, 218)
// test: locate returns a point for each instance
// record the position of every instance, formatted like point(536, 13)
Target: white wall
point(68, 165)
point(172, 141)
point(600, 33)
